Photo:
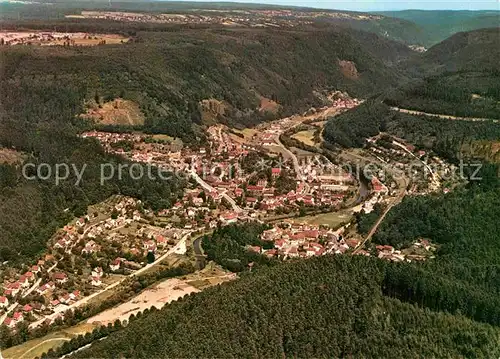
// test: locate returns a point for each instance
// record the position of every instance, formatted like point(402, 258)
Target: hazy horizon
point(384, 5)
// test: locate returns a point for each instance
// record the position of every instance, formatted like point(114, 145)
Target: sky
point(385, 5)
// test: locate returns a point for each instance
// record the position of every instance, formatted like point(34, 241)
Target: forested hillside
point(322, 307)
point(461, 77)
point(439, 25)
point(170, 69)
point(464, 276)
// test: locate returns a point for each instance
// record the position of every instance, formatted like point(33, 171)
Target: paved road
point(402, 183)
point(33, 287)
point(209, 188)
point(197, 248)
point(45, 341)
point(396, 201)
point(296, 165)
point(446, 117)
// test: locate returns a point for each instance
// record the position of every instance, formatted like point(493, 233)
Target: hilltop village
point(251, 18)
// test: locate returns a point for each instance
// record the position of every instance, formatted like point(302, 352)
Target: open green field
point(333, 219)
point(306, 137)
point(36, 347)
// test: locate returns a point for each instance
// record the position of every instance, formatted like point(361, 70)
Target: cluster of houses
point(85, 239)
point(248, 17)
point(23, 286)
point(293, 240)
point(20, 285)
point(170, 157)
point(12, 322)
point(419, 251)
point(425, 170)
point(41, 37)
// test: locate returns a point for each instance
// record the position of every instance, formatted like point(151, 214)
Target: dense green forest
point(328, 306)
point(464, 277)
point(439, 25)
point(168, 70)
point(37, 116)
point(463, 94)
point(460, 77)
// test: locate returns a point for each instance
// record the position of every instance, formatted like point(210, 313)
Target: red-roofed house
point(255, 189)
point(65, 299)
point(115, 265)
point(18, 317)
point(271, 252)
point(313, 234)
point(27, 308)
point(255, 249)
point(60, 277)
point(229, 218)
point(160, 241)
point(14, 288)
point(280, 243)
point(24, 281)
point(75, 294)
point(293, 252)
point(4, 302)
point(276, 172)
point(378, 186)
point(352, 243)
point(10, 323)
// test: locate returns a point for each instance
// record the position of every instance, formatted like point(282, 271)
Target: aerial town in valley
point(238, 176)
point(197, 178)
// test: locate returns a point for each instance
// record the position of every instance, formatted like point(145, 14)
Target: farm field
point(333, 220)
point(51, 38)
point(156, 296)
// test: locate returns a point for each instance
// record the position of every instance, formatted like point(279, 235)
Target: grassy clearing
point(164, 138)
point(247, 132)
point(333, 220)
point(306, 137)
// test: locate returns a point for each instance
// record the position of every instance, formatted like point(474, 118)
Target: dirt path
point(40, 344)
